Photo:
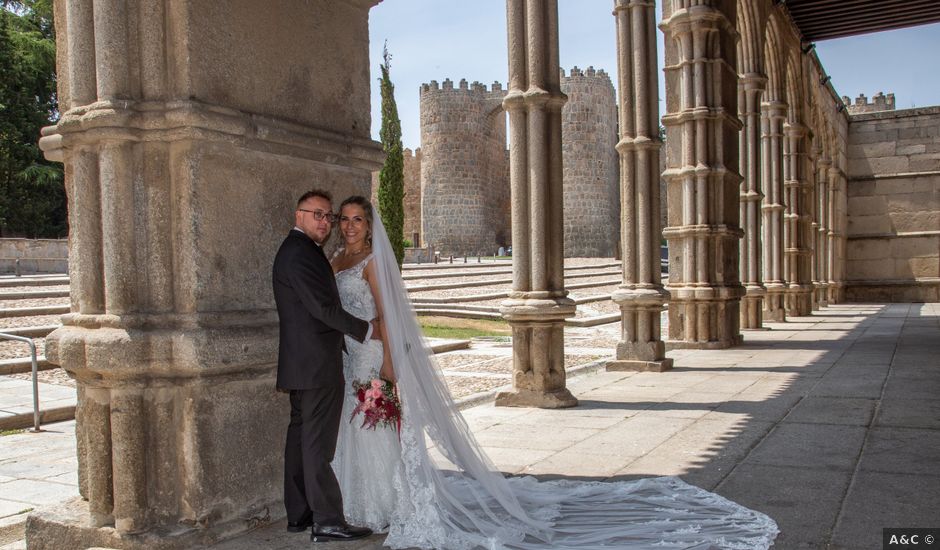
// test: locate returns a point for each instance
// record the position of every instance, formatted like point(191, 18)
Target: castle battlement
point(879, 102)
point(463, 85)
point(590, 72)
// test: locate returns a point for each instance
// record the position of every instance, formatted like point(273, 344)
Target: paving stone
point(833, 410)
point(804, 502)
point(814, 446)
point(911, 413)
point(877, 500)
point(902, 450)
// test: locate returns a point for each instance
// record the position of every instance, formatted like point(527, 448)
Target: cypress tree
point(392, 177)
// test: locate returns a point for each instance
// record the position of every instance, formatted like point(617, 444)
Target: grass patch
point(11, 432)
point(462, 329)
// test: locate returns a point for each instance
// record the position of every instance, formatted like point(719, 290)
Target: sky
point(438, 39)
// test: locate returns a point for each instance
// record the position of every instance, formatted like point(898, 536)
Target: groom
point(310, 367)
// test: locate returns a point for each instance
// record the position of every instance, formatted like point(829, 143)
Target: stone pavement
point(830, 424)
point(16, 403)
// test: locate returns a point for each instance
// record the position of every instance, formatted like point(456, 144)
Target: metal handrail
point(32, 350)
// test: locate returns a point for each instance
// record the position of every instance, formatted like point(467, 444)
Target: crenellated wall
point(879, 102)
point(591, 165)
point(465, 191)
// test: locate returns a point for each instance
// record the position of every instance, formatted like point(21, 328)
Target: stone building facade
point(591, 165)
point(464, 183)
point(893, 251)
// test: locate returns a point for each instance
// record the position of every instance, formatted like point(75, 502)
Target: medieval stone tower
point(464, 170)
point(591, 164)
point(465, 167)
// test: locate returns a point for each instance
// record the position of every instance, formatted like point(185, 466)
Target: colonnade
point(167, 136)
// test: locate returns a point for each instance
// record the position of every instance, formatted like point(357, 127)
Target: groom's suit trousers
point(310, 486)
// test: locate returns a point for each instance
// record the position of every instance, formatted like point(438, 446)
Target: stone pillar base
point(558, 399)
point(662, 365)
point(822, 294)
point(705, 323)
point(752, 308)
point(69, 525)
point(720, 344)
point(799, 300)
point(775, 304)
point(836, 292)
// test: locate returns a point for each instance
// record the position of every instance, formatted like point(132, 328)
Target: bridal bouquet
point(378, 404)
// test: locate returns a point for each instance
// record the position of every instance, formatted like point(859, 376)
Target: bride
point(391, 483)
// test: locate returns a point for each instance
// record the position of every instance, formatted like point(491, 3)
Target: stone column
point(641, 296)
point(796, 236)
point(822, 230)
point(538, 304)
point(751, 87)
point(772, 116)
point(183, 165)
point(701, 175)
point(812, 226)
point(837, 233)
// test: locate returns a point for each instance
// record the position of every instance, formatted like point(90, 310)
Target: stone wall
point(894, 206)
point(591, 164)
point(412, 200)
point(34, 255)
point(465, 191)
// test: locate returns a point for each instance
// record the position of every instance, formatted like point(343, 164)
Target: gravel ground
point(11, 349)
point(33, 302)
point(34, 321)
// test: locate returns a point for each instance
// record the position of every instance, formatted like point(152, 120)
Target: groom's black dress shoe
point(326, 533)
point(299, 527)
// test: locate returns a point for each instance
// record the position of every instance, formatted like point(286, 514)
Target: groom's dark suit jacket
point(312, 318)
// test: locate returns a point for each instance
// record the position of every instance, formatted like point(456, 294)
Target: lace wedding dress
point(459, 500)
point(368, 462)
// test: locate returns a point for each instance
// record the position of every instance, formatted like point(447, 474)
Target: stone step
point(6, 281)
point(498, 272)
point(31, 294)
point(24, 364)
point(464, 307)
point(30, 332)
point(24, 420)
point(32, 311)
point(439, 345)
point(460, 314)
point(491, 282)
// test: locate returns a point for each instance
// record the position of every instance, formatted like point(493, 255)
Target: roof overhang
point(825, 19)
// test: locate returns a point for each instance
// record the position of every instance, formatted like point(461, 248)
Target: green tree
point(391, 191)
point(32, 194)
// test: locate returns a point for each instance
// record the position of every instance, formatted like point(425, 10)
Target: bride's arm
point(387, 372)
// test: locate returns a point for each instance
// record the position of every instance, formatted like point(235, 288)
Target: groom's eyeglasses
point(320, 215)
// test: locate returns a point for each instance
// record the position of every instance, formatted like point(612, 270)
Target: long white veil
point(465, 502)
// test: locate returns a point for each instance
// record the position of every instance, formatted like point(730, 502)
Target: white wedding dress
point(461, 501)
point(367, 462)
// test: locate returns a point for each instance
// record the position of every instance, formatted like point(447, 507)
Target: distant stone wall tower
point(591, 164)
point(464, 188)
